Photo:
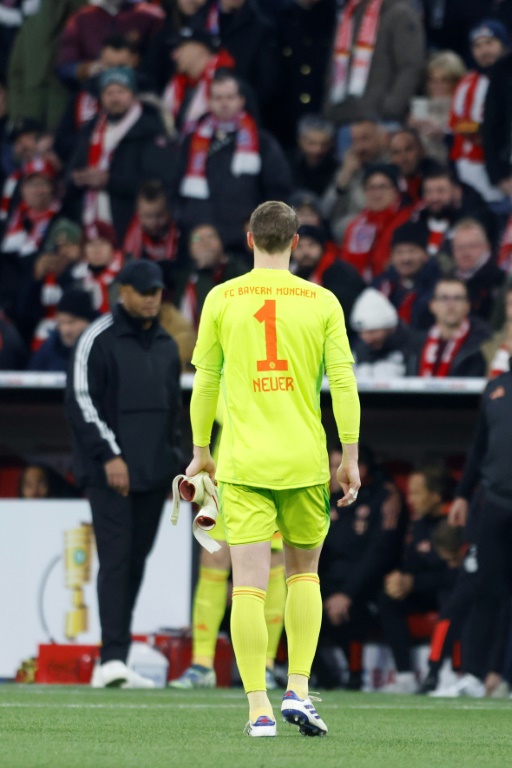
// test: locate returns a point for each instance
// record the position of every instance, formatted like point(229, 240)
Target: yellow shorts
point(219, 534)
point(251, 515)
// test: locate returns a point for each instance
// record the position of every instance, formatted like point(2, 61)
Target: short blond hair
point(449, 63)
point(273, 225)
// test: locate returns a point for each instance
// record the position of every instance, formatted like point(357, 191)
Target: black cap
point(385, 169)
point(412, 233)
point(202, 36)
point(17, 128)
point(315, 233)
point(78, 303)
point(142, 275)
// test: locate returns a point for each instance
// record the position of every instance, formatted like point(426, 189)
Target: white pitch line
point(176, 705)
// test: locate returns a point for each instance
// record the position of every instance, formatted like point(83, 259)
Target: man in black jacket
point(227, 167)
point(115, 151)
point(452, 346)
point(123, 403)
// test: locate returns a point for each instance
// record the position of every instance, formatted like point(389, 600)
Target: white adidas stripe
point(81, 384)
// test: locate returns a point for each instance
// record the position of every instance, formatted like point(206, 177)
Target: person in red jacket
point(367, 241)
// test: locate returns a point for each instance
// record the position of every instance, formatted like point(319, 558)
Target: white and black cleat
point(302, 713)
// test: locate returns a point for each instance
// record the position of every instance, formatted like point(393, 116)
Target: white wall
point(32, 534)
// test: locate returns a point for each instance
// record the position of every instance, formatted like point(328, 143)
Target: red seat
point(421, 625)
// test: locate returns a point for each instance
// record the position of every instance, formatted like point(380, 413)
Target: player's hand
point(202, 462)
point(337, 607)
point(348, 478)
point(117, 475)
point(458, 513)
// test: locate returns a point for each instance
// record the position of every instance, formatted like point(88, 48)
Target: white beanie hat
point(373, 311)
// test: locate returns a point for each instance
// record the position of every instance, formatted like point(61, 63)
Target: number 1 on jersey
point(267, 315)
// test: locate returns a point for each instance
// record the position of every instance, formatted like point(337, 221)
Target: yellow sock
point(209, 608)
point(274, 611)
point(249, 636)
point(302, 620)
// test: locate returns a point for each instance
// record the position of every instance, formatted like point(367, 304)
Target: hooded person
point(386, 348)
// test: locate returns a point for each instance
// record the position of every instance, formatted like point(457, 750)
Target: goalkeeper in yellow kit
point(265, 340)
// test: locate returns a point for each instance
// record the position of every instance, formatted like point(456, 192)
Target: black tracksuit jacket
point(123, 399)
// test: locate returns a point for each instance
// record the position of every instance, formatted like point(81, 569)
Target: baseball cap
point(142, 275)
point(124, 76)
point(202, 36)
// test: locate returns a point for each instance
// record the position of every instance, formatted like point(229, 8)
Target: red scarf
point(178, 86)
point(98, 283)
point(430, 365)
point(246, 157)
point(86, 107)
point(352, 62)
point(329, 256)
point(466, 117)
point(101, 153)
point(26, 229)
point(141, 245)
point(8, 191)
point(367, 241)
point(500, 362)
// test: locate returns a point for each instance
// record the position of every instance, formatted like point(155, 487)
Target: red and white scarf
point(246, 157)
point(140, 245)
point(174, 94)
point(466, 117)
point(104, 141)
point(51, 294)
point(352, 62)
point(429, 363)
point(437, 230)
point(26, 229)
point(86, 107)
point(500, 362)
point(9, 188)
point(98, 283)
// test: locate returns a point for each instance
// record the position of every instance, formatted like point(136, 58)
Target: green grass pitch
point(78, 727)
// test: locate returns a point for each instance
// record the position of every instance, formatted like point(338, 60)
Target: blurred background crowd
point(151, 130)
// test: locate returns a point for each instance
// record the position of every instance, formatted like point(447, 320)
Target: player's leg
point(249, 516)
point(274, 606)
point(303, 517)
point(208, 610)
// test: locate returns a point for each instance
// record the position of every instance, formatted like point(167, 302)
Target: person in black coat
point(124, 145)
point(313, 162)
point(251, 40)
point(363, 544)
point(497, 126)
point(474, 264)
point(234, 179)
point(410, 279)
point(452, 346)
point(422, 576)
point(123, 403)
point(13, 353)
point(74, 314)
point(306, 29)
point(385, 347)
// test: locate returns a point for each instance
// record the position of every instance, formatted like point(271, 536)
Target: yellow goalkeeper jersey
point(265, 339)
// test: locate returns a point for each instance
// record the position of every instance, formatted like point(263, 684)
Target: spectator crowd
point(151, 130)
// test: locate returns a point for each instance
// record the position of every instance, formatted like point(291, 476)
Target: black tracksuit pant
point(125, 529)
point(487, 633)
point(393, 617)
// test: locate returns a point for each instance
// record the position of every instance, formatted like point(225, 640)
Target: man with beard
point(407, 153)
point(318, 260)
point(489, 42)
point(447, 201)
point(125, 143)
